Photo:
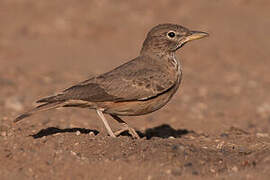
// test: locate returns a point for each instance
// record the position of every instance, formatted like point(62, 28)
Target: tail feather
point(51, 99)
point(42, 107)
point(46, 99)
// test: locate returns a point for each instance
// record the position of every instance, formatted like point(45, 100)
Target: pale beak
point(192, 35)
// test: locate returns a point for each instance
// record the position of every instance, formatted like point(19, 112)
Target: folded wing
point(132, 81)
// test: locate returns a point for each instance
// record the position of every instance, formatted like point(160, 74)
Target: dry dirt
point(216, 127)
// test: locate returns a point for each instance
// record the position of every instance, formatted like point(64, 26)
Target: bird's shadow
point(162, 131)
point(53, 130)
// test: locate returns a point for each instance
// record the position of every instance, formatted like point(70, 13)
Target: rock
point(3, 133)
point(78, 133)
point(262, 135)
point(91, 133)
point(235, 169)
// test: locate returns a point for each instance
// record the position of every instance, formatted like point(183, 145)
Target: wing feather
point(139, 79)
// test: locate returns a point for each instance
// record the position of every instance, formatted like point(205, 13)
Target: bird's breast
point(175, 67)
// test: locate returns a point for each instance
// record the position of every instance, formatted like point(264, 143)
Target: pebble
point(56, 134)
point(73, 153)
point(262, 135)
point(5, 118)
point(91, 133)
point(168, 171)
point(3, 133)
point(235, 169)
point(220, 145)
point(78, 133)
point(10, 133)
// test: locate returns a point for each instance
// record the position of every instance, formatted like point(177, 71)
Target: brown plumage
point(140, 86)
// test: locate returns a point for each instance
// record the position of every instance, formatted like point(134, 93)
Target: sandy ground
point(216, 127)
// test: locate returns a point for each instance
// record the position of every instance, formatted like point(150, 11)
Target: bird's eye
point(171, 34)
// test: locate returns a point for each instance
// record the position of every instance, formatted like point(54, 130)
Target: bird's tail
point(43, 107)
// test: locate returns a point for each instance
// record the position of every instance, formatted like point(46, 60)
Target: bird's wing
point(139, 79)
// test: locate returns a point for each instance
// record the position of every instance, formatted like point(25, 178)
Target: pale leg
point(132, 132)
point(109, 130)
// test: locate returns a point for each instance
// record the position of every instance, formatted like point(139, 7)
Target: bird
point(138, 87)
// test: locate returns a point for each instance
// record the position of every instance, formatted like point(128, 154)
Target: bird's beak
point(192, 35)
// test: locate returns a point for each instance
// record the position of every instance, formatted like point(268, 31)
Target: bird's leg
point(109, 130)
point(132, 132)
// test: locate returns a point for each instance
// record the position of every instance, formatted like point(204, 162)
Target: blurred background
point(46, 46)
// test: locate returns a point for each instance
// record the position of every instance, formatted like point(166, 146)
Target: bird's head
point(167, 38)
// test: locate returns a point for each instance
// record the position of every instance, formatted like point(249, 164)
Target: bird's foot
point(131, 131)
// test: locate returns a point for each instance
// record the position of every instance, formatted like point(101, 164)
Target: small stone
point(3, 133)
point(235, 169)
point(5, 118)
point(262, 135)
point(220, 161)
point(168, 171)
point(91, 133)
point(10, 133)
point(220, 145)
point(44, 138)
point(78, 133)
point(73, 153)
